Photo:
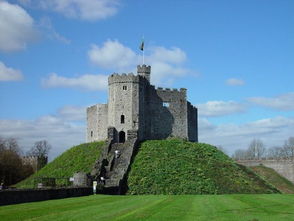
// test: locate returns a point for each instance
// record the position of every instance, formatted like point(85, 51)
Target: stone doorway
point(121, 137)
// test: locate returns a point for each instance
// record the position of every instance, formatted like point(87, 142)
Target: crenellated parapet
point(182, 91)
point(123, 78)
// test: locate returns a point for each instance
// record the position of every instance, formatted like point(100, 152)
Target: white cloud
point(87, 81)
point(16, 27)
point(62, 130)
point(273, 131)
point(174, 55)
point(220, 108)
point(284, 102)
point(164, 73)
point(72, 113)
point(59, 133)
point(9, 74)
point(112, 54)
point(235, 82)
point(167, 64)
point(90, 10)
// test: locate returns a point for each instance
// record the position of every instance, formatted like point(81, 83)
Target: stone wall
point(168, 113)
point(97, 122)
point(35, 161)
point(283, 167)
point(192, 122)
point(32, 195)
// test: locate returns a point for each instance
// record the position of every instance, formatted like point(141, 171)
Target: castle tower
point(123, 104)
point(144, 71)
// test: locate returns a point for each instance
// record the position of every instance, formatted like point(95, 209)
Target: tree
point(275, 153)
point(288, 148)
point(12, 169)
point(240, 154)
point(10, 144)
point(256, 149)
point(41, 149)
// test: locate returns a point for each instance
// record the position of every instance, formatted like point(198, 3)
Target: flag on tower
point(142, 46)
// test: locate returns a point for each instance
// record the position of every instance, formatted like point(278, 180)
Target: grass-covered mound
point(76, 159)
point(179, 167)
point(270, 175)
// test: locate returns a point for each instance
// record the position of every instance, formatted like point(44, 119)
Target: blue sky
point(234, 57)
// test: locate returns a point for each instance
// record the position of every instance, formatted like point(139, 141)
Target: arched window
point(91, 133)
point(122, 119)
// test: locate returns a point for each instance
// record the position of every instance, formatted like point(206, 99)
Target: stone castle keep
point(136, 109)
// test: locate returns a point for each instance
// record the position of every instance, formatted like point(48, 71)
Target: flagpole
point(142, 48)
point(143, 56)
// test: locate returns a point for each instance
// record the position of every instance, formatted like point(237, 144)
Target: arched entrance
point(121, 137)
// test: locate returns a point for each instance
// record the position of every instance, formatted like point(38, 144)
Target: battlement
point(172, 90)
point(30, 158)
point(123, 78)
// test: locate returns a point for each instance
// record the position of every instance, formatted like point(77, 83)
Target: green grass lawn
point(249, 207)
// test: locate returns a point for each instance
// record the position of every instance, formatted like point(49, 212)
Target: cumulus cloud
point(220, 108)
point(235, 82)
point(62, 130)
point(273, 131)
point(16, 27)
point(167, 63)
point(61, 134)
point(72, 113)
point(90, 10)
point(172, 55)
point(9, 74)
point(112, 54)
point(87, 81)
point(284, 102)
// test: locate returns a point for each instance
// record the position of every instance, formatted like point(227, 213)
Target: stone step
point(117, 167)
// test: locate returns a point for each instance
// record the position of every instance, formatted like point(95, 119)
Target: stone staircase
point(114, 169)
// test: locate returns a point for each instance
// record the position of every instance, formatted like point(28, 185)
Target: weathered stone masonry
point(135, 104)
